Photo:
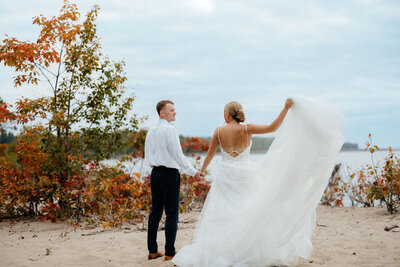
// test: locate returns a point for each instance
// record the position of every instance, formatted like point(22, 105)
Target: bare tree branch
point(42, 67)
point(47, 78)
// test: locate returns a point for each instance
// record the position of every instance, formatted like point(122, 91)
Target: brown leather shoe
point(168, 258)
point(156, 255)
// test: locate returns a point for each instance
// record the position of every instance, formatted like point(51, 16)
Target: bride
point(262, 213)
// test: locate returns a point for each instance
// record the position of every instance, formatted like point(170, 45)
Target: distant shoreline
point(342, 150)
point(381, 149)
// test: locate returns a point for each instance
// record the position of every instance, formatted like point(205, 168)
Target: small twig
point(387, 228)
point(321, 225)
point(93, 233)
point(88, 234)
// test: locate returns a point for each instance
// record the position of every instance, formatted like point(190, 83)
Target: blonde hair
point(235, 110)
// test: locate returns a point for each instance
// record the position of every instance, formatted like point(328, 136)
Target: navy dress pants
point(165, 185)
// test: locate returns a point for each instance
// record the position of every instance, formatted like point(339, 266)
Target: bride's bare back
point(233, 138)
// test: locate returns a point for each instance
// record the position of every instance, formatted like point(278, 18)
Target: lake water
point(351, 161)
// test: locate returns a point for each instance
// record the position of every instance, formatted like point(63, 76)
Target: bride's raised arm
point(268, 128)
point(211, 151)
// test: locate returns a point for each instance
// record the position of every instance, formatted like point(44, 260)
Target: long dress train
point(263, 213)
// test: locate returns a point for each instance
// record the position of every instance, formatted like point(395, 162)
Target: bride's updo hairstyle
point(235, 110)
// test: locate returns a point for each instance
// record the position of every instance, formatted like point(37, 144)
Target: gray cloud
point(204, 53)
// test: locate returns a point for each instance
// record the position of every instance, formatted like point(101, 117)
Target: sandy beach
point(343, 237)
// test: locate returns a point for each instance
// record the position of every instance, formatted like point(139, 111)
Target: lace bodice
point(236, 156)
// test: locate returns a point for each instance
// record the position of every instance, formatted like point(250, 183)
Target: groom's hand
point(146, 179)
point(199, 175)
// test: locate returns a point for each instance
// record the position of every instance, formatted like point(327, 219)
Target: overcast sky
point(203, 53)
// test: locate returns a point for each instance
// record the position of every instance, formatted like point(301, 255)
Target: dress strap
point(247, 136)
point(219, 140)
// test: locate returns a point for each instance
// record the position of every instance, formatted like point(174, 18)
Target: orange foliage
point(25, 186)
point(25, 56)
point(5, 113)
point(48, 179)
point(3, 154)
point(334, 191)
point(115, 197)
point(194, 144)
point(386, 183)
point(108, 193)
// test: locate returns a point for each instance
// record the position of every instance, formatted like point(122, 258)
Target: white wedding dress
point(263, 213)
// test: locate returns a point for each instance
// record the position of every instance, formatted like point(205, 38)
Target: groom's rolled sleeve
point(178, 155)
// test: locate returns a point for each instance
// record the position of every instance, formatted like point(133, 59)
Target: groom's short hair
point(162, 104)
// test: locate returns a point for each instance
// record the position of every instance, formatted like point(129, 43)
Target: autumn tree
point(86, 116)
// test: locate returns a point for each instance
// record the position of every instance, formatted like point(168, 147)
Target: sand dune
point(343, 237)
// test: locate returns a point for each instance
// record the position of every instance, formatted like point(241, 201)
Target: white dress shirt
point(162, 148)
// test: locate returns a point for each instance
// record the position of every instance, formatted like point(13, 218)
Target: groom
point(164, 155)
